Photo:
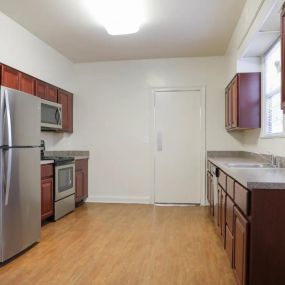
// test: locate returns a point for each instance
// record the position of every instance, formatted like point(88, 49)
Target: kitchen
point(135, 210)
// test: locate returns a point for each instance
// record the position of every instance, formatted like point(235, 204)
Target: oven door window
point(65, 179)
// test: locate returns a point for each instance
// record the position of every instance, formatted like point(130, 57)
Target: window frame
point(264, 134)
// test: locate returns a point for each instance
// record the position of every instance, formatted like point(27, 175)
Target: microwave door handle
point(60, 115)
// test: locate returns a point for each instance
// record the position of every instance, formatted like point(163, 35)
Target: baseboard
point(119, 199)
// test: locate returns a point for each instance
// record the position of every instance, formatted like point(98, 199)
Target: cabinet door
point(218, 207)
point(10, 77)
point(211, 194)
point(230, 213)
point(229, 244)
point(229, 107)
point(240, 247)
point(283, 59)
point(208, 187)
point(223, 213)
point(51, 93)
point(234, 103)
point(227, 121)
point(47, 198)
point(41, 89)
point(27, 83)
point(66, 100)
point(79, 185)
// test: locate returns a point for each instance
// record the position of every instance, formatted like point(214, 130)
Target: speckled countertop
point(77, 154)
point(251, 178)
point(43, 162)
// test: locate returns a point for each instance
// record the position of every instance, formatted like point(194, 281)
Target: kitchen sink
point(250, 165)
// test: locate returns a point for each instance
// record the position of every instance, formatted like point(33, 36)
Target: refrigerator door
point(20, 205)
point(20, 116)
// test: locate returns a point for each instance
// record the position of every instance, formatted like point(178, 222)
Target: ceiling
point(172, 28)
point(267, 34)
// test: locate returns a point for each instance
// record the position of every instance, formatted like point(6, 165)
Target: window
point(273, 115)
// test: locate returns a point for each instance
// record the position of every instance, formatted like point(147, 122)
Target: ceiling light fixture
point(119, 17)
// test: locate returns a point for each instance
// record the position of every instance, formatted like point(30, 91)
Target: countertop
point(77, 154)
point(251, 178)
point(43, 162)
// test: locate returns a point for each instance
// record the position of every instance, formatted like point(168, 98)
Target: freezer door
point(20, 117)
point(20, 205)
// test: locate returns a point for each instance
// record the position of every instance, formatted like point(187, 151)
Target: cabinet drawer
point(46, 170)
point(242, 198)
point(229, 245)
point(230, 187)
point(222, 179)
point(229, 213)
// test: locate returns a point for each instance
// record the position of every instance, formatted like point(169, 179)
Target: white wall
point(22, 50)
point(115, 119)
point(253, 16)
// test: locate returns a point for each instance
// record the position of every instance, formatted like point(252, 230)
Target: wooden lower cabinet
point(229, 244)
point(210, 189)
point(254, 234)
point(240, 247)
point(47, 190)
point(81, 180)
point(47, 198)
point(223, 213)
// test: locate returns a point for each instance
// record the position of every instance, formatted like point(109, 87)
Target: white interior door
point(178, 130)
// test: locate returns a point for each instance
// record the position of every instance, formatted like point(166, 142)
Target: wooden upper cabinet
point(227, 115)
point(41, 89)
point(243, 102)
point(283, 57)
point(66, 100)
point(46, 91)
point(10, 77)
point(51, 93)
point(27, 83)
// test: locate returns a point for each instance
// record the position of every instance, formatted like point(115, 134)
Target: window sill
point(272, 136)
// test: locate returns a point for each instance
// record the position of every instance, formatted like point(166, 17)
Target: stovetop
point(58, 159)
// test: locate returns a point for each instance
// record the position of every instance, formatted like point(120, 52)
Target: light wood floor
point(125, 244)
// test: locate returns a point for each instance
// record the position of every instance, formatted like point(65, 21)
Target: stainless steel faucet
point(274, 160)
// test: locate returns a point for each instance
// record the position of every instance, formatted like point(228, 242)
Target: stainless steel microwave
point(51, 115)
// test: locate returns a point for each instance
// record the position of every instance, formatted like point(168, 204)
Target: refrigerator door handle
point(9, 123)
point(8, 176)
point(2, 118)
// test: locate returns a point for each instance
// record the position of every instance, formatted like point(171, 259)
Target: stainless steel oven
point(64, 200)
point(51, 115)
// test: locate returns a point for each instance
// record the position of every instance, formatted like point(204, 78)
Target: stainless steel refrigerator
point(20, 204)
